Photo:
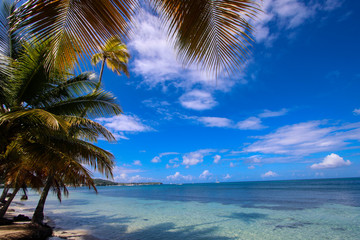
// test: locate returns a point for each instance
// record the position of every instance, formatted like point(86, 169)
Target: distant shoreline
point(102, 182)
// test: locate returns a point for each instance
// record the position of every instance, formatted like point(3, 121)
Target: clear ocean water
point(305, 209)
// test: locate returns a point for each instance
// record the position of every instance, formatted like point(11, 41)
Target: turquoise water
point(309, 209)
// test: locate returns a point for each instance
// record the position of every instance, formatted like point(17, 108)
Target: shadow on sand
point(117, 228)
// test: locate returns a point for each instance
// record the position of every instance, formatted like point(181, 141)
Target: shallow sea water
point(308, 209)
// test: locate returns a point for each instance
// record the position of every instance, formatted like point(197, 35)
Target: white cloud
point(330, 5)
point(356, 111)
point(227, 176)
point(215, 121)
point(253, 159)
point(155, 48)
point(205, 174)
point(232, 165)
point(251, 167)
point(137, 163)
point(196, 157)
point(124, 178)
point(269, 174)
point(161, 107)
point(174, 160)
point(217, 158)
point(331, 161)
point(267, 113)
point(283, 15)
point(252, 123)
point(121, 174)
point(124, 123)
point(172, 166)
point(197, 100)
point(306, 138)
point(157, 159)
point(178, 177)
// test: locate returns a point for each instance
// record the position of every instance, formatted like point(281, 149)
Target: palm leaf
point(33, 117)
point(74, 27)
point(87, 129)
point(98, 103)
point(214, 33)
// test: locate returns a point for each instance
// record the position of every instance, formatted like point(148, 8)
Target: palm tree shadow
point(117, 227)
point(165, 231)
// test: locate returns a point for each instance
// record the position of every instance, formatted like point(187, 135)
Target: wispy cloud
point(331, 161)
point(215, 121)
point(124, 178)
point(267, 113)
point(137, 163)
point(205, 174)
point(198, 100)
point(157, 159)
point(177, 177)
point(306, 138)
point(196, 157)
point(227, 176)
point(217, 158)
point(121, 124)
point(160, 107)
point(252, 123)
point(281, 16)
point(269, 174)
point(356, 111)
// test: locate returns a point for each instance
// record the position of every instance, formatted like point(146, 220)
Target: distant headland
point(102, 182)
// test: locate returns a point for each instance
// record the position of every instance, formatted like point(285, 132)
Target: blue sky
point(292, 111)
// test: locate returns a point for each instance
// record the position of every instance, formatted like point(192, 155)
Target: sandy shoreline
point(17, 208)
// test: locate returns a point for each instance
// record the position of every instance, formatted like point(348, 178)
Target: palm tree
point(214, 34)
point(44, 143)
point(67, 169)
point(114, 53)
point(41, 123)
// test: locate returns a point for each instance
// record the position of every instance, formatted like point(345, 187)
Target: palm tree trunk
point(4, 194)
point(8, 202)
point(38, 216)
point(101, 73)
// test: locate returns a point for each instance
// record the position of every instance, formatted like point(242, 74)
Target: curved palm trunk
point(38, 216)
point(101, 73)
point(4, 194)
point(8, 202)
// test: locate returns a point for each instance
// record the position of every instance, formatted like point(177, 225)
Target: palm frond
point(96, 58)
point(97, 104)
point(74, 27)
point(33, 117)
point(116, 55)
point(10, 43)
point(215, 34)
point(87, 129)
point(79, 85)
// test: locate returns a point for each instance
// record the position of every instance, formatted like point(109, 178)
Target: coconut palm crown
point(115, 54)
